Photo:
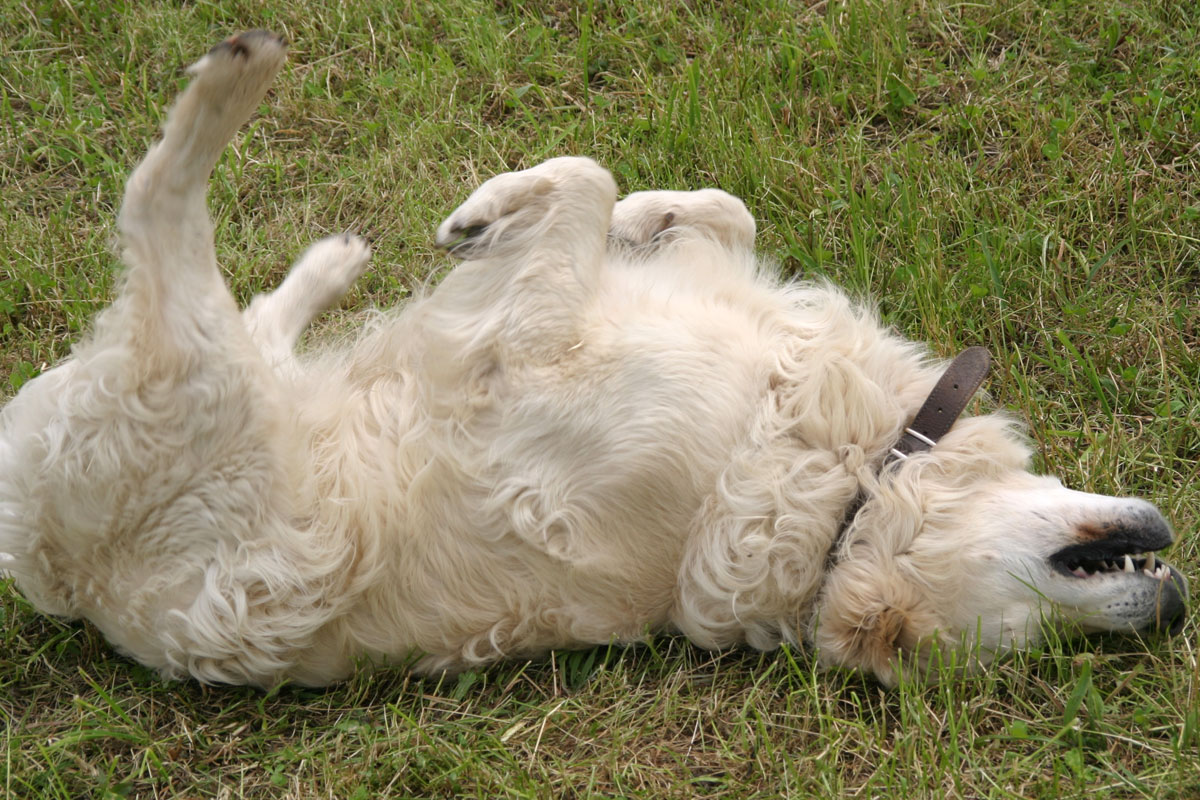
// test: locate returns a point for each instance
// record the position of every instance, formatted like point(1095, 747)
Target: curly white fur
point(608, 421)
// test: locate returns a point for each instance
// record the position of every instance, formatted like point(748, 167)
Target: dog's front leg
point(533, 242)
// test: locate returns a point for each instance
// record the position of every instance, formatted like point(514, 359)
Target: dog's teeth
point(1150, 562)
point(1129, 564)
point(1079, 573)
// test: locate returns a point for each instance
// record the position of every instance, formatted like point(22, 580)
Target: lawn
point(1022, 174)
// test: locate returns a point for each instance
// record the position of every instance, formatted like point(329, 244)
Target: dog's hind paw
point(244, 53)
point(160, 208)
point(227, 85)
point(331, 265)
point(315, 282)
point(235, 73)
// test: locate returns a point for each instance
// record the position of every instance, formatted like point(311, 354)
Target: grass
point(1020, 174)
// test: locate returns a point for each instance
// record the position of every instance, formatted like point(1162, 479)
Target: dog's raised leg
point(158, 496)
point(165, 232)
point(316, 281)
point(534, 241)
point(647, 219)
point(521, 211)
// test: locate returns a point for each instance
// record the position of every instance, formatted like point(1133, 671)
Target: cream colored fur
point(610, 420)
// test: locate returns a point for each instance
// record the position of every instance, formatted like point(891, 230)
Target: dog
point(609, 420)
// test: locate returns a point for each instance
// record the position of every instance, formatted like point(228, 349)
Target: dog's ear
point(872, 619)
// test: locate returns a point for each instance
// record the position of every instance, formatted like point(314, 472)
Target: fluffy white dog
point(608, 421)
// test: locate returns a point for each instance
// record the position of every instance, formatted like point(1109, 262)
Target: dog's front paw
point(508, 205)
point(473, 226)
point(646, 218)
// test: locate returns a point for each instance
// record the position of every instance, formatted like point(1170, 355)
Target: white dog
point(608, 421)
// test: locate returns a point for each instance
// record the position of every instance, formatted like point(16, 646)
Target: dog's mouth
point(1125, 559)
point(1081, 566)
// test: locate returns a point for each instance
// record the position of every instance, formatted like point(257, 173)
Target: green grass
point(1022, 175)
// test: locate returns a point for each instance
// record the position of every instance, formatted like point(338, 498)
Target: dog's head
point(964, 546)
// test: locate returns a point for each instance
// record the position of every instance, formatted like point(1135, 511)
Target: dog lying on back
point(607, 421)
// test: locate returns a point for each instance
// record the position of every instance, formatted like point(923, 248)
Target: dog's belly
point(558, 513)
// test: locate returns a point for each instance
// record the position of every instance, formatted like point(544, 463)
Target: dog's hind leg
point(162, 489)
point(316, 281)
point(165, 232)
point(646, 220)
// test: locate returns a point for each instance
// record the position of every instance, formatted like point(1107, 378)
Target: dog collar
point(945, 403)
point(934, 419)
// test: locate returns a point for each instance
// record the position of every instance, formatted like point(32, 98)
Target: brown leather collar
point(945, 403)
point(934, 419)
